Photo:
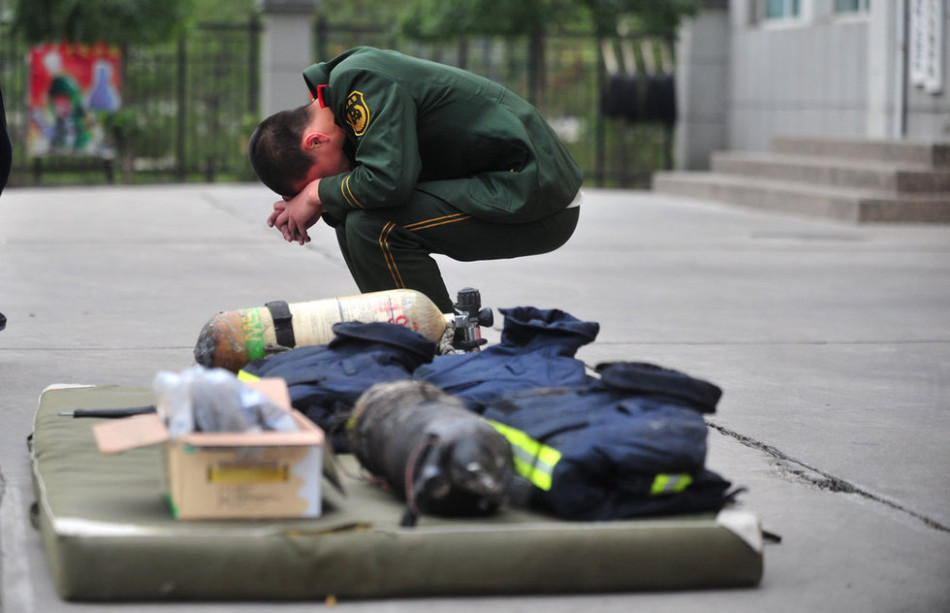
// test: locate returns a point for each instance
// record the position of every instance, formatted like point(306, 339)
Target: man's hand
point(295, 215)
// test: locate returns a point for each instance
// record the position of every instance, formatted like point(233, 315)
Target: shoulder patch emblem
point(356, 112)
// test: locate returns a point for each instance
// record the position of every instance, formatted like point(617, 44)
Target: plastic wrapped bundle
point(214, 400)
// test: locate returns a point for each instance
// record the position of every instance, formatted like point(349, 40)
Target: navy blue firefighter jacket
point(630, 444)
point(536, 349)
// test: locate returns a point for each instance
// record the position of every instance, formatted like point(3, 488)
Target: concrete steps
point(837, 172)
point(848, 180)
point(930, 154)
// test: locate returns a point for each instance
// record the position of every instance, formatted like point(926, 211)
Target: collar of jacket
point(319, 74)
point(528, 325)
point(654, 380)
point(315, 77)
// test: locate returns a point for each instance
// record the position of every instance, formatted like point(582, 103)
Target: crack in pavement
point(824, 480)
point(324, 252)
point(766, 342)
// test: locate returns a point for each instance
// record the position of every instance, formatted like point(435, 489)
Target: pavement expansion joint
point(782, 342)
point(821, 479)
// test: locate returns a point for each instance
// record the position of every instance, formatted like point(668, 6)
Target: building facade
point(751, 70)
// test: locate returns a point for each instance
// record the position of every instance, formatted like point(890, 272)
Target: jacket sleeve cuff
point(331, 197)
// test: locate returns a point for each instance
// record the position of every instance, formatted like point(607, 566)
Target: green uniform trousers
point(390, 248)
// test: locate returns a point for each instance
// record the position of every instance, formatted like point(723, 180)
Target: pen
point(122, 412)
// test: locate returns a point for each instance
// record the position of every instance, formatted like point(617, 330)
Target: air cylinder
point(231, 339)
point(430, 449)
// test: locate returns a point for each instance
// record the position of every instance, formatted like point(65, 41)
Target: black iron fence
point(189, 106)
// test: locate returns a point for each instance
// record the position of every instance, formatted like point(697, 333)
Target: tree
point(119, 22)
point(380, 14)
point(440, 19)
point(444, 19)
point(654, 17)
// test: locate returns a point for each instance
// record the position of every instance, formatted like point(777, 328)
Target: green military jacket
point(415, 124)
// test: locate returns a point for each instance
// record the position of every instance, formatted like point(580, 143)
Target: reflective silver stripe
point(533, 460)
point(670, 484)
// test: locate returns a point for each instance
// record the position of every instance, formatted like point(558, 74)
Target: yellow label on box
point(243, 472)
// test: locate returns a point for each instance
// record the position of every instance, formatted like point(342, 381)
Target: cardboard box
point(231, 475)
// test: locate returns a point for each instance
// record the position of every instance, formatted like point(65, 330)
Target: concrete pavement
point(831, 342)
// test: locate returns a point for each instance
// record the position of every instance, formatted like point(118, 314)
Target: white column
point(886, 69)
point(702, 84)
point(286, 50)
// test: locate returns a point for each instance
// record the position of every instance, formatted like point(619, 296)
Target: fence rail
point(190, 105)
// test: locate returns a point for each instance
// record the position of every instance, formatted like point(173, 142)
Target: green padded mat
point(108, 535)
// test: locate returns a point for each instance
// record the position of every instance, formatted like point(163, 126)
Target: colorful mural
point(72, 88)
